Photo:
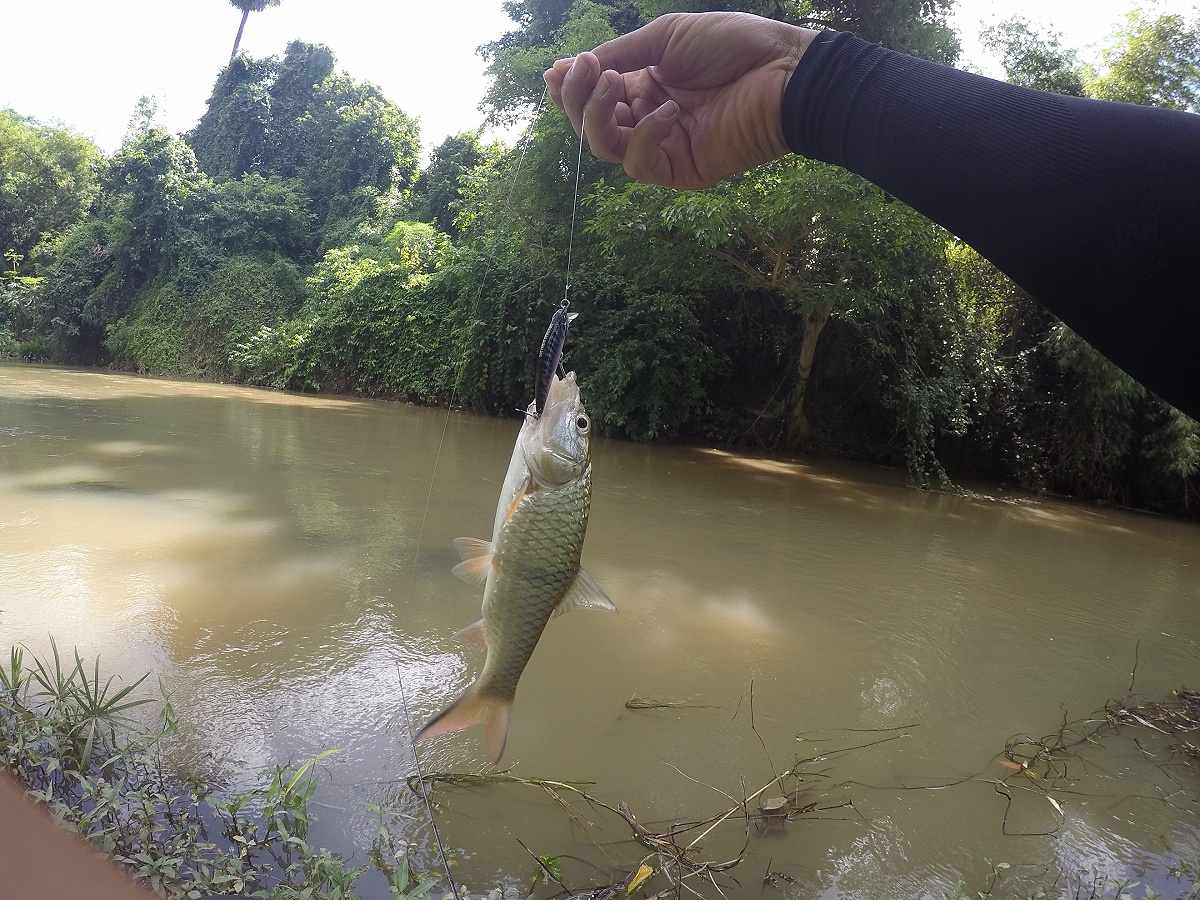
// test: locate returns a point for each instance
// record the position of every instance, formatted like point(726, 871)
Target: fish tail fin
point(469, 709)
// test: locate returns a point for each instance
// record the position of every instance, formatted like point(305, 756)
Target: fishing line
point(412, 575)
point(437, 837)
point(574, 206)
point(437, 459)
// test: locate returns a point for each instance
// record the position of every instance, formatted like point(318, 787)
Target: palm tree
point(247, 7)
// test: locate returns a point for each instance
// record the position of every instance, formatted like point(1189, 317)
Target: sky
point(86, 64)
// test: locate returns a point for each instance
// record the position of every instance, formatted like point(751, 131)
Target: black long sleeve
point(1093, 207)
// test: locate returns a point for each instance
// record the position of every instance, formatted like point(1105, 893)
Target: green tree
point(49, 177)
point(437, 190)
point(510, 267)
point(916, 27)
point(343, 141)
point(136, 236)
point(150, 180)
point(674, 253)
point(360, 146)
point(806, 236)
point(71, 306)
point(231, 138)
point(247, 7)
point(1034, 60)
point(547, 30)
point(1152, 61)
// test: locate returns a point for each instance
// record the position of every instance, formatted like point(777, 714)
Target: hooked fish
point(530, 568)
point(550, 355)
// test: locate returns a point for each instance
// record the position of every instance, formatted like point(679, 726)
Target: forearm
point(40, 860)
point(1090, 206)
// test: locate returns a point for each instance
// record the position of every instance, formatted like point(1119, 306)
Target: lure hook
point(550, 356)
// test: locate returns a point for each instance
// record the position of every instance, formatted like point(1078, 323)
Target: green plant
point(390, 856)
point(993, 877)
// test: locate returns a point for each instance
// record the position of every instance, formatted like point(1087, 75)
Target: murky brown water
point(283, 562)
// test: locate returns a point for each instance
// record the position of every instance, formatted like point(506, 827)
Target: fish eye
point(583, 423)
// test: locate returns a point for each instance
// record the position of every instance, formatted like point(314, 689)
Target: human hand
point(687, 100)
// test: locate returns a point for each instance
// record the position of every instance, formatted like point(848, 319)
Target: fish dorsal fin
point(584, 593)
point(473, 633)
point(477, 559)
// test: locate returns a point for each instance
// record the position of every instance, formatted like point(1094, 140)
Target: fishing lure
point(550, 356)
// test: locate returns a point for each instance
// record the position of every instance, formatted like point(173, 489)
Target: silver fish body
point(530, 569)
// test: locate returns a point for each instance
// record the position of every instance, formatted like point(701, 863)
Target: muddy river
point(283, 564)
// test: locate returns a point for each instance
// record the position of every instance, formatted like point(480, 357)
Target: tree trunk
point(238, 40)
point(798, 429)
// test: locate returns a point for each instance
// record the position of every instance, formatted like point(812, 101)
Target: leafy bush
point(274, 357)
point(234, 303)
point(71, 307)
point(152, 339)
point(197, 334)
point(375, 322)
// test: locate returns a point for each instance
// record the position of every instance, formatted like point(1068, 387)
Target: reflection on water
point(283, 562)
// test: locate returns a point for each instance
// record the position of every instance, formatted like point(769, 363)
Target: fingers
point(590, 98)
point(646, 158)
point(554, 79)
point(642, 48)
point(578, 81)
point(606, 137)
point(629, 52)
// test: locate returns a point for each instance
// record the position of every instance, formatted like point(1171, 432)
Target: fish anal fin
point(474, 571)
point(469, 709)
point(473, 633)
point(584, 593)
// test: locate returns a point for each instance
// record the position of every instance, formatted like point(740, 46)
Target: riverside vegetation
point(74, 739)
point(292, 240)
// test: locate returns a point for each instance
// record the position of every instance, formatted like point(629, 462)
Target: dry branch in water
point(1040, 765)
point(674, 856)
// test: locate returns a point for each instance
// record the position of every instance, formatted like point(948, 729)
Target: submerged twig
point(1133, 675)
point(636, 702)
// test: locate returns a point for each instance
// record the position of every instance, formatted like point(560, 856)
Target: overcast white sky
point(87, 63)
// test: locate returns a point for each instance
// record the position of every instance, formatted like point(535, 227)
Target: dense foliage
point(292, 240)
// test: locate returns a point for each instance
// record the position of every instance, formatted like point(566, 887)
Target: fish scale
point(536, 560)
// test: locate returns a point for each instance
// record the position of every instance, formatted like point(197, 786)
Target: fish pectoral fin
point(470, 548)
point(521, 493)
point(473, 633)
point(477, 560)
point(470, 708)
point(584, 593)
